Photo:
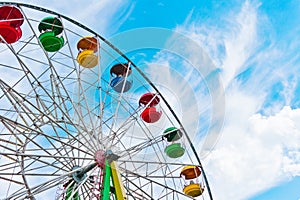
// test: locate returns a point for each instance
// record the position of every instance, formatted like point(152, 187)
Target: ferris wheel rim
point(135, 67)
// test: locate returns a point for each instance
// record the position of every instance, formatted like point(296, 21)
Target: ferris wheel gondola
point(69, 128)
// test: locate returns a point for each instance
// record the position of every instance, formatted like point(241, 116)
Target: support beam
point(117, 181)
point(106, 182)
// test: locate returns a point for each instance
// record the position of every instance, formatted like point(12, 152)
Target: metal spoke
point(57, 115)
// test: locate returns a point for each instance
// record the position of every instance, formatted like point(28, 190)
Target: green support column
point(106, 182)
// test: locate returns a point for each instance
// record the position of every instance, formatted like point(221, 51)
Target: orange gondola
point(87, 49)
point(191, 174)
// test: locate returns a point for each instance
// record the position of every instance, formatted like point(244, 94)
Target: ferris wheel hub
point(70, 125)
point(78, 176)
point(101, 156)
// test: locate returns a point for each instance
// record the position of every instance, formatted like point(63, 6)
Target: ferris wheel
point(78, 121)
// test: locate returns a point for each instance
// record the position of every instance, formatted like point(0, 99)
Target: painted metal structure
point(51, 124)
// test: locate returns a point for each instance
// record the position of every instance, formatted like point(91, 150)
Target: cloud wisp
point(257, 149)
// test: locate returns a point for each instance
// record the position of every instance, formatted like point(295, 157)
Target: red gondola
point(11, 19)
point(151, 113)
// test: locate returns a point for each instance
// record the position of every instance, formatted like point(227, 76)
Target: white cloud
point(240, 42)
point(255, 152)
point(231, 47)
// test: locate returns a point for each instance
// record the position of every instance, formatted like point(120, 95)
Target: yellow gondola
point(88, 47)
point(191, 174)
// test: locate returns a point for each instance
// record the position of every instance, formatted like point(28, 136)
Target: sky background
point(255, 46)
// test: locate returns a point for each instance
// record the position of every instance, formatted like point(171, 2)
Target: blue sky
point(255, 47)
point(270, 64)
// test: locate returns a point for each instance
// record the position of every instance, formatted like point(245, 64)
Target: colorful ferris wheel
point(73, 127)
